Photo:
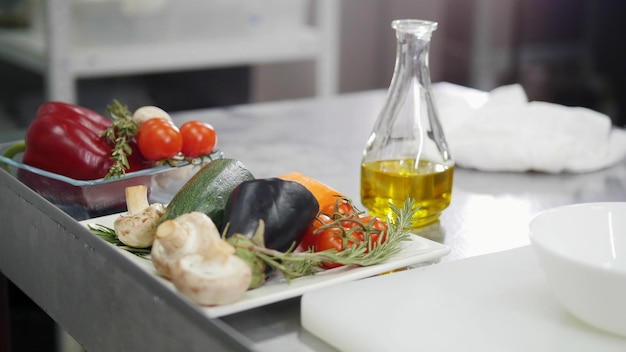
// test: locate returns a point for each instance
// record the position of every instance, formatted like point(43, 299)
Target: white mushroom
point(137, 227)
point(146, 113)
point(211, 282)
point(192, 233)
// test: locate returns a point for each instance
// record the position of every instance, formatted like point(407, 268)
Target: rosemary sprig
point(296, 264)
point(120, 133)
point(108, 234)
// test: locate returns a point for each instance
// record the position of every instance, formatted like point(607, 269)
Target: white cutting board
point(495, 302)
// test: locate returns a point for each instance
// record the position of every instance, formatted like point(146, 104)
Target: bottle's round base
point(417, 223)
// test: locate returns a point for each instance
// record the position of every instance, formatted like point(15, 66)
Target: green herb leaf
point(120, 134)
point(108, 234)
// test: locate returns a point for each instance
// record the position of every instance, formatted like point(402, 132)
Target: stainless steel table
point(107, 305)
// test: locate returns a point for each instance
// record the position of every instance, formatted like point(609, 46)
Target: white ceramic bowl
point(582, 251)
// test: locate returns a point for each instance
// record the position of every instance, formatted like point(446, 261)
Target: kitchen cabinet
point(53, 51)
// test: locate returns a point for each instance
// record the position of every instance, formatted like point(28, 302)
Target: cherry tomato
point(199, 138)
point(329, 239)
point(355, 237)
point(341, 207)
point(309, 239)
point(375, 222)
point(379, 233)
point(343, 227)
point(352, 223)
point(159, 139)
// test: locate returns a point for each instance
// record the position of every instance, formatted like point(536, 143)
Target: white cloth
point(502, 131)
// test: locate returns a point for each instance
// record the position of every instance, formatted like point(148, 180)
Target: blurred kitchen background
point(193, 54)
point(189, 54)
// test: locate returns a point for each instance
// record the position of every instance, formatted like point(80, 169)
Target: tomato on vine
point(379, 228)
point(199, 138)
point(158, 139)
point(309, 239)
point(330, 238)
point(339, 208)
point(341, 226)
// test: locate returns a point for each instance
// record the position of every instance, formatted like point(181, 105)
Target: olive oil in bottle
point(392, 181)
point(406, 155)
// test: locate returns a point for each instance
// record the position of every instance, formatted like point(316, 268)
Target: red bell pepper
point(68, 140)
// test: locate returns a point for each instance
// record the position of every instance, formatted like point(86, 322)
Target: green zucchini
point(208, 190)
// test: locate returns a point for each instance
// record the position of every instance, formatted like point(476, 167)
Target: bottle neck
point(412, 66)
point(408, 126)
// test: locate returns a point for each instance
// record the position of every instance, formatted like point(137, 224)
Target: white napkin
point(502, 131)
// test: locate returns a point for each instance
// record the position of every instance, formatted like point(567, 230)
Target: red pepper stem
point(14, 149)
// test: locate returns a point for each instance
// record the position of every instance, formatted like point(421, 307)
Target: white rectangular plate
point(276, 289)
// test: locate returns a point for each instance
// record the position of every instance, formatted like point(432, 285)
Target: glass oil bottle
point(406, 155)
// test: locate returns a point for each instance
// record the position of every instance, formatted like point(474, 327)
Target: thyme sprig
point(108, 234)
point(120, 133)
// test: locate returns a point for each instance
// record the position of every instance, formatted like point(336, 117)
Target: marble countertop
point(324, 138)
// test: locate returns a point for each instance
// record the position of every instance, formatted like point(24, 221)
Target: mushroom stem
point(137, 199)
point(171, 235)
